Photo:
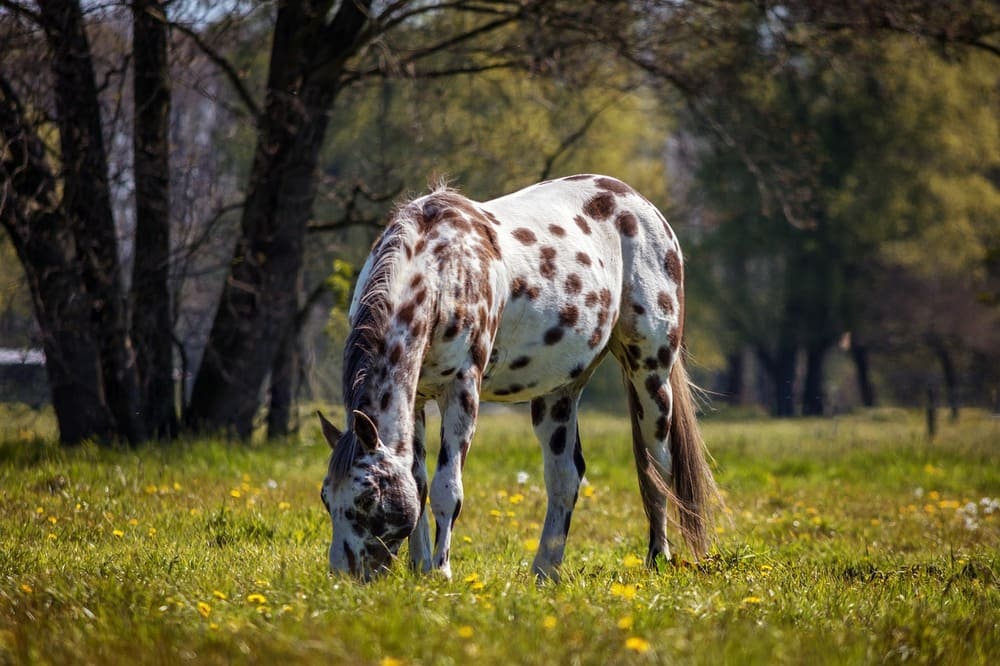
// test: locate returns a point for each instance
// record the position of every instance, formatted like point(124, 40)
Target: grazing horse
point(512, 300)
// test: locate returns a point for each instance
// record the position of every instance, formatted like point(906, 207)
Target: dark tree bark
point(259, 298)
point(152, 320)
point(30, 212)
point(86, 203)
point(812, 389)
point(943, 353)
point(859, 354)
point(284, 384)
point(733, 389)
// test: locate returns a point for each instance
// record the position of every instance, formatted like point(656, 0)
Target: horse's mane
point(369, 322)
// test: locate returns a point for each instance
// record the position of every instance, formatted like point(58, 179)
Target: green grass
point(846, 541)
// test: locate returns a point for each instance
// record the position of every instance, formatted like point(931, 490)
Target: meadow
point(845, 540)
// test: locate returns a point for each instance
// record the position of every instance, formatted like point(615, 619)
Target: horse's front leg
point(420, 539)
point(458, 423)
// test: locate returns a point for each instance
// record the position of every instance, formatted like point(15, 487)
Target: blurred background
point(187, 189)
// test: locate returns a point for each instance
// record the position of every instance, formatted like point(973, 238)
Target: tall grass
point(852, 540)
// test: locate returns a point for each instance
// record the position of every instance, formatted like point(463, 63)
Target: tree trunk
point(859, 354)
point(152, 321)
point(784, 381)
point(943, 352)
point(86, 202)
point(29, 211)
point(733, 389)
point(259, 298)
point(284, 383)
point(812, 390)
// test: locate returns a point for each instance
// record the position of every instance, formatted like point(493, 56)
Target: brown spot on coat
point(664, 355)
point(665, 302)
point(553, 335)
point(573, 284)
point(548, 263)
point(583, 258)
point(557, 443)
point(613, 185)
point(556, 230)
point(396, 353)
point(524, 235)
point(568, 315)
point(405, 314)
point(562, 409)
point(600, 206)
point(537, 411)
point(672, 265)
point(627, 224)
point(579, 176)
point(582, 223)
point(520, 362)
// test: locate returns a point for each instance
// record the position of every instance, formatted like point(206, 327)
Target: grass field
point(850, 540)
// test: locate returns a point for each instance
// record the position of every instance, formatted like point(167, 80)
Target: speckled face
point(373, 507)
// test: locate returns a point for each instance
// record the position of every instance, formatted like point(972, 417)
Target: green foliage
point(847, 541)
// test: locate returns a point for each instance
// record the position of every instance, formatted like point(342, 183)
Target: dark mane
point(366, 340)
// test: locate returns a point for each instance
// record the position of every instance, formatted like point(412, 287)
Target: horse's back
point(588, 262)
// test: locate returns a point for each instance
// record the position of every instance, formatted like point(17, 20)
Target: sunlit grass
point(852, 540)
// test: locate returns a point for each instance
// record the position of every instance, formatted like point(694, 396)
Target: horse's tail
point(694, 491)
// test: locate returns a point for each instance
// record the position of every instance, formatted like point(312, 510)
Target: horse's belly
point(541, 349)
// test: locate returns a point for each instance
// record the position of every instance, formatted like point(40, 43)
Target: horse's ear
point(365, 430)
point(330, 431)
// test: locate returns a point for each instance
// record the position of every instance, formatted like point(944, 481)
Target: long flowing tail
point(693, 487)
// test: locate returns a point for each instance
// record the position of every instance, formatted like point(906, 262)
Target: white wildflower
point(522, 478)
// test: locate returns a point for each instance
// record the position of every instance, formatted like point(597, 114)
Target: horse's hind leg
point(650, 406)
point(554, 420)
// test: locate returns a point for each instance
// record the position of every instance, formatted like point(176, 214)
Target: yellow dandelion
point(516, 498)
point(623, 590)
point(53, 519)
point(496, 513)
point(625, 623)
point(40, 510)
point(530, 545)
point(194, 512)
point(177, 486)
point(235, 492)
point(632, 561)
point(478, 585)
point(549, 622)
point(471, 578)
point(930, 508)
point(151, 532)
point(219, 595)
point(751, 600)
point(133, 522)
point(637, 644)
point(816, 520)
point(213, 626)
point(52, 536)
point(118, 533)
point(150, 489)
point(465, 631)
point(949, 504)
point(204, 609)
point(260, 582)
point(931, 469)
point(27, 589)
point(256, 598)
point(588, 490)
point(284, 506)
point(390, 661)
point(467, 539)
point(934, 495)
point(875, 522)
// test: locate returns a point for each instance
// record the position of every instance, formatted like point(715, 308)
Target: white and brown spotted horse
point(512, 300)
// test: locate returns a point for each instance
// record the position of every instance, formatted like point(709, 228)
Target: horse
point(516, 299)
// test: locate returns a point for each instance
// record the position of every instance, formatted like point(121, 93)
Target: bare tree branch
point(227, 69)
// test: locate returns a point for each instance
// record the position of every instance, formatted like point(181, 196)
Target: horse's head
point(372, 498)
